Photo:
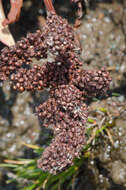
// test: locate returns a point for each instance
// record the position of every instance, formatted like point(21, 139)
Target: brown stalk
point(49, 6)
point(14, 13)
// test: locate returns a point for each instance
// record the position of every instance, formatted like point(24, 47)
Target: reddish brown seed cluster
point(65, 111)
point(15, 57)
point(64, 148)
point(31, 79)
point(68, 96)
point(60, 38)
point(56, 42)
point(65, 101)
point(93, 83)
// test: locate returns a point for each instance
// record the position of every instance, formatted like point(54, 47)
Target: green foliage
point(36, 179)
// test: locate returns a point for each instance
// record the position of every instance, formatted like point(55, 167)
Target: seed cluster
point(15, 57)
point(28, 79)
point(60, 36)
point(63, 149)
point(65, 111)
point(64, 103)
point(93, 83)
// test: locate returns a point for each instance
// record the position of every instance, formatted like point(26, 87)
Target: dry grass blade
point(31, 146)
point(45, 182)
point(19, 162)
point(92, 136)
point(110, 136)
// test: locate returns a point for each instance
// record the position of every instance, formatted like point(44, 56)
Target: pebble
point(118, 172)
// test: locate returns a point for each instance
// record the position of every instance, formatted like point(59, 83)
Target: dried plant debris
point(69, 86)
point(79, 12)
point(14, 13)
point(5, 35)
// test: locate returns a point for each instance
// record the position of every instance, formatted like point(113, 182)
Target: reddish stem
point(49, 6)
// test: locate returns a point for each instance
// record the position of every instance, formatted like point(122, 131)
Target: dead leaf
point(5, 35)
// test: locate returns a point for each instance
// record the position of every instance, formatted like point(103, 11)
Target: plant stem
point(49, 6)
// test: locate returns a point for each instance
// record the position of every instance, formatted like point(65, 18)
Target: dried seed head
point(64, 111)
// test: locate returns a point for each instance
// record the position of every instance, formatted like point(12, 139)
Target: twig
point(110, 136)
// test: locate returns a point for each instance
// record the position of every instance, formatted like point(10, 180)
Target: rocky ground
point(103, 39)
